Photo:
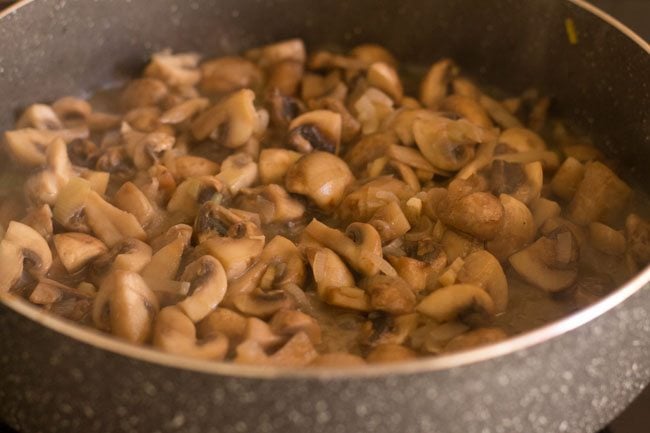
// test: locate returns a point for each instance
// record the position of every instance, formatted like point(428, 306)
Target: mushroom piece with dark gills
point(293, 210)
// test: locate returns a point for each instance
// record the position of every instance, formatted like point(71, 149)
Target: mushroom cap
point(448, 302)
point(517, 228)
point(390, 294)
point(479, 214)
point(23, 242)
point(433, 88)
point(384, 77)
point(321, 176)
point(447, 144)
point(227, 74)
point(316, 130)
point(484, 270)
point(208, 284)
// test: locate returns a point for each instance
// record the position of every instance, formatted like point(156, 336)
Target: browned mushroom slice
point(368, 148)
point(448, 302)
point(329, 270)
point(125, 306)
point(75, 250)
point(263, 303)
point(468, 108)
point(369, 196)
point(384, 328)
point(297, 352)
point(290, 322)
point(420, 274)
point(192, 193)
point(273, 164)
point(227, 74)
point(321, 176)
point(178, 231)
point(28, 146)
point(338, 360)
point(384, 77)
point(386, 353)
point(479, 214)
point(550, 263)
point(215, 220)
point(224, 321)
point(176, 70)
point(390, 294)
point(316, 130)
point(447, 144)
point(484, 270)
point(371, 53)
point(163, 267)
point(434, 86)
point(40, 219)
point(22, 245)
point(236, 254)
point(284, 76)
point(175, 333)
point(542, 210)
point(390, 222)
point(516, 231)
point(207, 287)
point(567, 178)
point(272, 202)
point(69, 209)
point(184, 111)
point(606, 239)
point(361, 248)
point(127, 255)
point(238, 171)
point(432, 337)
point(476, 338)
point(521, 181)
point(638, 239)
point(498, 112)
point(44, 187)
point(290, 49)
point(143, 92)
point(601, 196)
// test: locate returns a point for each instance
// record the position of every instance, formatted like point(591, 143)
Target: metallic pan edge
point(532, 338)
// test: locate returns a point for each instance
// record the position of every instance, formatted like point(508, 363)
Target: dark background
point(636, 15)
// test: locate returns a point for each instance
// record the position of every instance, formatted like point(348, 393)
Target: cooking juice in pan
point(294, 209)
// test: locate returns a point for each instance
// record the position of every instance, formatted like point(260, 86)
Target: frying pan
point(574, 375)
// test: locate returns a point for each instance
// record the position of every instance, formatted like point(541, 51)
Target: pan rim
point(95, 338)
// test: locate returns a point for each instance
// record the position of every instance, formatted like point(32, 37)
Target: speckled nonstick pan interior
point(571, 376)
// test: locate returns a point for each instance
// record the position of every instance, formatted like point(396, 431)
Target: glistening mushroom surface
point(330, 209)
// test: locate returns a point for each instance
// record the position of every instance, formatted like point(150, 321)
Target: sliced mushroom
point(215, 220)
point(39, 116)
point(516, 231)
point(498, 112)
point(208, 284)
point(40, 219)
point(476, 338)
point(601, 196)
point(235, 115)
point(290, 322)
point(227, 74)
point(297, 352)
point(143, 92)
point(435, 84)
point(127, 255)
point(369, 196)
point(352, 298)
point(372, 53)
point(163, 267)
point(316, 130)
point(521, 181)
point(321, 176)
point(385, 353)
point(131, 199)
point(260, 332)
point(263, 303)
point(542, 210)
point(567, 178)
point(285, 76)
point(184, 111)
point(390, 222)
point(290, 49)
point(448, 302)
point(457, 245)
point(273, 204)
point(468, 108)
point(236, 254)
point(28, 146)
point(226, 322)
point(273, 164)
point(175, 333)
point(384, 328)
point(109, 223)
point(69, 208)
point(606, 239)
point(22, 245)
point(361, 247)
point(419, 274)
point(176, 70)
point(368, 148)
point(372, 108)
point(447, 144)
point(384, 77)
point(550, 263)
point(390, 294)
point(72, 111)
point(329, 270)
point(75, 250)
point(521, 140)
point(238, 171)
point(192, 193)
point(638, 239)
point(484, 270)
point(479, 214)
point(178, 231)
point(125, 306)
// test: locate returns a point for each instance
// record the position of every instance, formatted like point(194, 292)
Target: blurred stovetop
point(636, 15)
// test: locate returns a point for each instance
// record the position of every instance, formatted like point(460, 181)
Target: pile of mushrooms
point(282, 209)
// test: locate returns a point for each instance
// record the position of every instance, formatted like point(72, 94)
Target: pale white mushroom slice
point(22, 244)
point(516, 231)
point(237, 111)
point(176, 70)
point(75, 250)
point(321, 176)
point(433, 88)
point(69, 208)
point(208, 284)
point(484, 270)
point(175, 333)
point(109, 223)
point(448, 302)
point(125, 306)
